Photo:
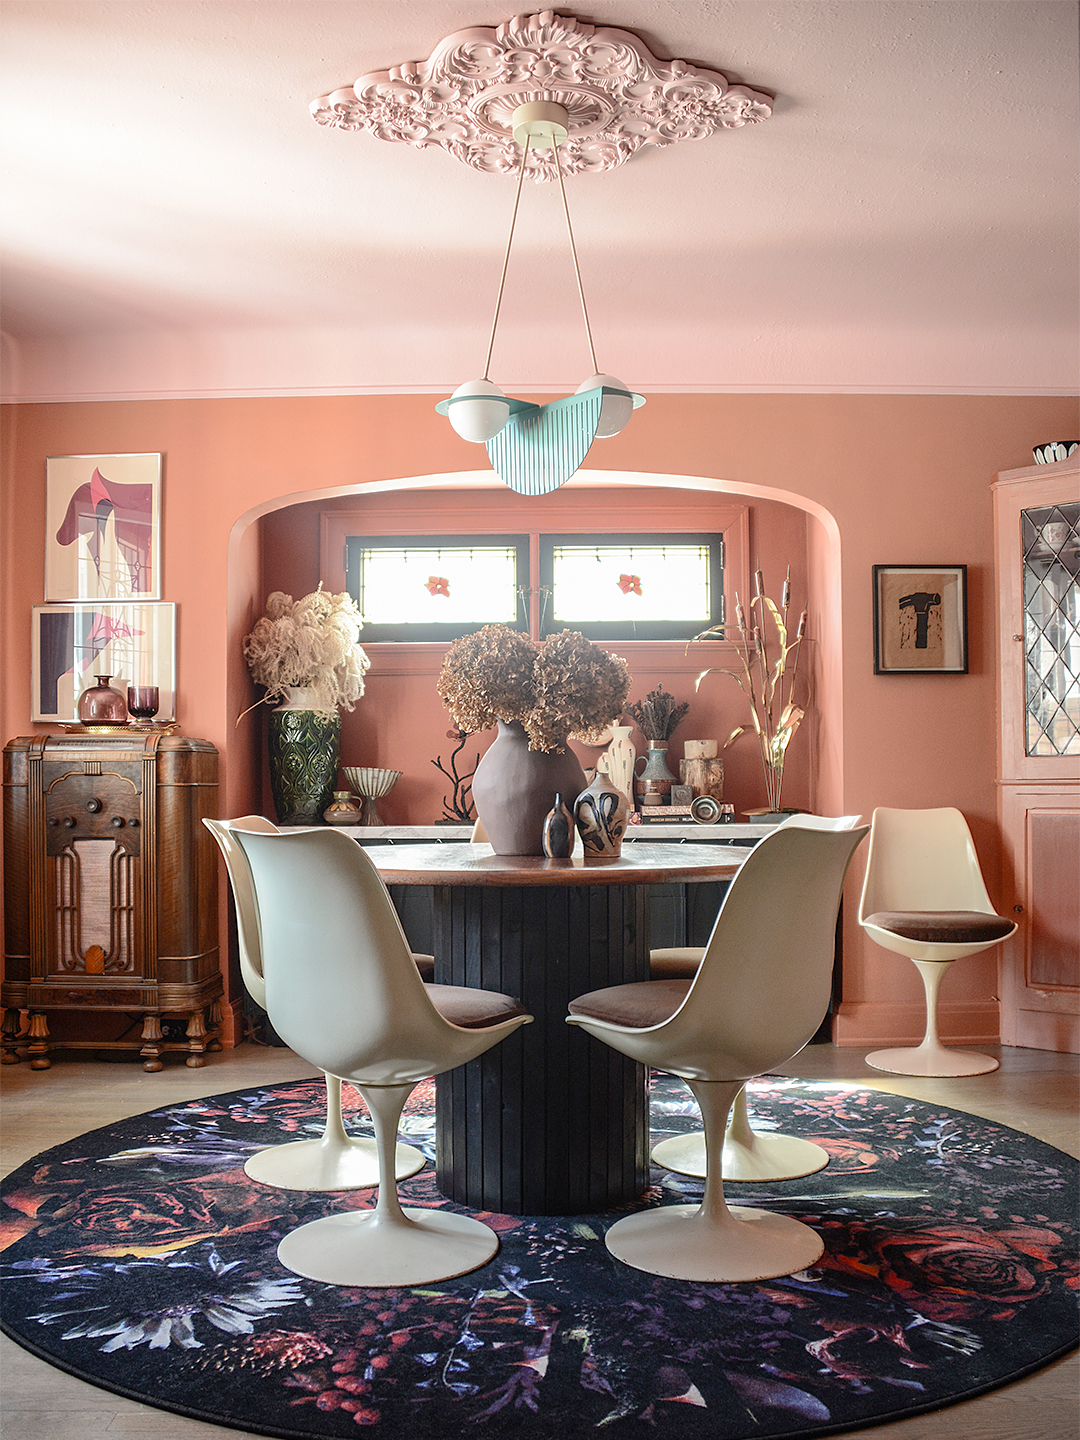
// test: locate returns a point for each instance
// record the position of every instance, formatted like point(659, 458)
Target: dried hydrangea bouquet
point(537, 694)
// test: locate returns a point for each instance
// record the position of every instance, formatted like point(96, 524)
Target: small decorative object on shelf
point(342, 810)
point(458, 807)
point(305, 653)
point(143, 701)
point(774, 714)
point(658, 714)
point(558, 836)
point(1053, 451)
point(705, 810)
point(600, 814)
point(371, 783)
point(655, 780)
point(537, 694)
point(617, 761)
point(102, 705)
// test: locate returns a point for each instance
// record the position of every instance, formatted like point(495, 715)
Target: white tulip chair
point(338, 1160)
point(924, 897)
point(758, 996)
point(343, 991)
point(749, 1154)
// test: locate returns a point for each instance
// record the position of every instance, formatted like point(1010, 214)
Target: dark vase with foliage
point(305, 750)
point(305, 653)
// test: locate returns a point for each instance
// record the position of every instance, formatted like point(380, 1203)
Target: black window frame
point(617, 630)
point(409, 632)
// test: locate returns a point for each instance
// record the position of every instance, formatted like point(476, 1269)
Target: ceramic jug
point(655, 778)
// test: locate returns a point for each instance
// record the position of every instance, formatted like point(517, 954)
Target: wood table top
point(639, 864)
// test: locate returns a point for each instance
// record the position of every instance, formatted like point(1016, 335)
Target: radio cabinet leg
point(39, 1041)
point(12, 1030)
point(152, 1037)
point(217, 1019)
point(196, 1034)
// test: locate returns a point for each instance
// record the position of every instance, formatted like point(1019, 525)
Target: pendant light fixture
point(536, 448)
point(545, 80)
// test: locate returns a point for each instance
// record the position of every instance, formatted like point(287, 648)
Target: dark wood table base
point(527, 1128)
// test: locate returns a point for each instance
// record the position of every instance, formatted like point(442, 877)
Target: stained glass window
point(411, 588)
point(626, 587)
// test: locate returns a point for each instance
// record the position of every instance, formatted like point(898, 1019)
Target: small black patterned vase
point(558, 836)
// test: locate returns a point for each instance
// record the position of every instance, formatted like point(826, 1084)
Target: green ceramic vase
point(305, 746)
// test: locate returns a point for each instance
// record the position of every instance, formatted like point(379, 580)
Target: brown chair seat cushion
point(425, 964)
point(679, 963)
point(942, 927)
point(473, 1009)
point(648, 1002)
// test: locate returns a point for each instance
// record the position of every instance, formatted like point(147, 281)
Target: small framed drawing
point(71, 645)
point(103, 527)
point(920, 620)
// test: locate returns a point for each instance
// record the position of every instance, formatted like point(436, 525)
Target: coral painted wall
point(881, 479)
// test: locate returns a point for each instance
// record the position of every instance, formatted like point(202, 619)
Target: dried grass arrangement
point(658, 714)
point(773, 712)
point(309, 644)
point(560, 686)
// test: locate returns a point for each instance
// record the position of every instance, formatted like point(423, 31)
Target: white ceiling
point(176, 223)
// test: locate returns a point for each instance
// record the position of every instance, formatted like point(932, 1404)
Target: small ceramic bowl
point(1054, 450)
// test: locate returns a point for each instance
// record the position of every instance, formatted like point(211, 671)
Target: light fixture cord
point(577, 270)
point(506, 257)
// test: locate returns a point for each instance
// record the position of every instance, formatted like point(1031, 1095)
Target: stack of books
point(658, 814)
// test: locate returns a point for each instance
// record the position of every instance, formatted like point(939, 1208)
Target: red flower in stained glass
point(628, 583)
point(438, 585)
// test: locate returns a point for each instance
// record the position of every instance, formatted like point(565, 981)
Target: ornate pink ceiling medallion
point(617, 94)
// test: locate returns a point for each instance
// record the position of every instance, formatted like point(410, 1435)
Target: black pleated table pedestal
point(551, 1121)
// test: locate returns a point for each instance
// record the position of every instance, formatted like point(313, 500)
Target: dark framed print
point(920, 620)
point(103, 527)
point(71, 645)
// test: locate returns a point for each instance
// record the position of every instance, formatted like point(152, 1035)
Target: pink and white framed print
point(103, 527)
point(71, 645)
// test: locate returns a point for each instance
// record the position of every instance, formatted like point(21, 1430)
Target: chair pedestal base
point(363, 1248)
point(769, 1157)
point(745, 1244)
point(315, 1165)
point(931, 1060)
point(748, 1154)
point(336, 1161)
point(931, 1057)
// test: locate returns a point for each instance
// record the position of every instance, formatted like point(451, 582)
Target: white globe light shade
point(616, 409)
point(478, 410)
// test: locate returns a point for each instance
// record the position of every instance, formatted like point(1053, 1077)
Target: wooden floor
point(1034, 1091)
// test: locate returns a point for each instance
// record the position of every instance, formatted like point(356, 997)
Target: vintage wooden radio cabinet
point(110, 895)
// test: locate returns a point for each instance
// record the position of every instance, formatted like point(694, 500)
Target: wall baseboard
point(880, 1024)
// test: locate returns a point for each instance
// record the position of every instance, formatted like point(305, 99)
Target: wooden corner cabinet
point(110, 896)
point(1037, 540)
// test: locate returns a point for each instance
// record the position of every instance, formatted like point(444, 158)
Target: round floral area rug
point(141, 1258)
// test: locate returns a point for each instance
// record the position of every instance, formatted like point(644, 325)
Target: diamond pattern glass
point(1050, 547)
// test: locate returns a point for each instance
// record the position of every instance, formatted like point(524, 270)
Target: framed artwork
point(103, 527)
point(71, 645)
point(920, 620)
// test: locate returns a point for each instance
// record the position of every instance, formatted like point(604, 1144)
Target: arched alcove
point(247, 587)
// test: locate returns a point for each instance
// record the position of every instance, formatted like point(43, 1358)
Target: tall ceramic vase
point(515, 787)
point(304, 748)
point(617, 761)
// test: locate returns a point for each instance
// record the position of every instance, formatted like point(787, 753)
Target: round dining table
point(550, 1122)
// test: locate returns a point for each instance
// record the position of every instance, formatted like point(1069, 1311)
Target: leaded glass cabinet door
point(1036, 522)
point(1050, 560)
